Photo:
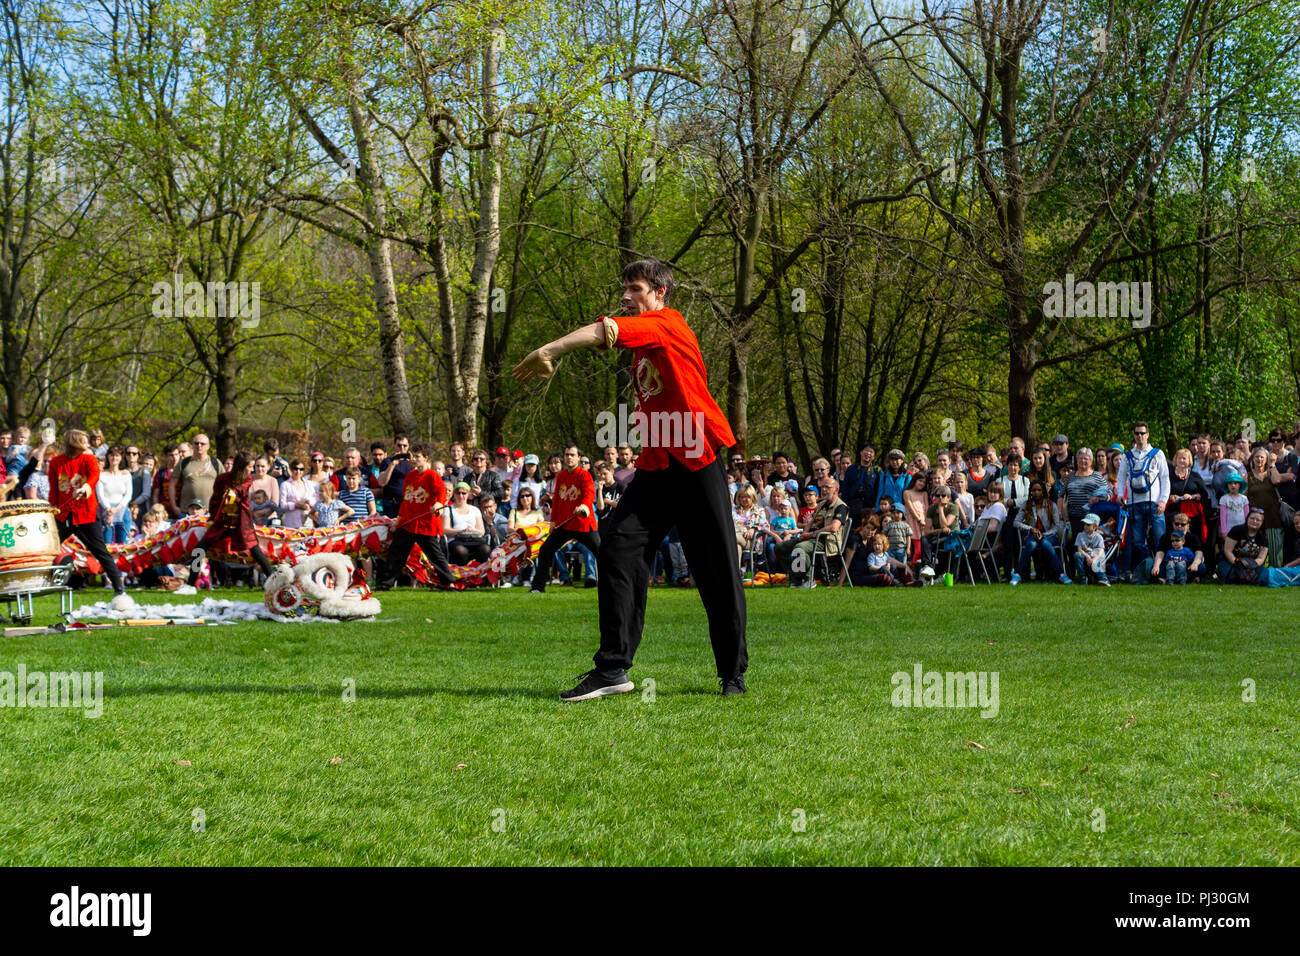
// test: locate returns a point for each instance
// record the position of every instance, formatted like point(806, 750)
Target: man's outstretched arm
point(541, 362)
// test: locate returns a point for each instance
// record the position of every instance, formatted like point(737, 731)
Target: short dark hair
point(272, 445)
point(378, 446)
point(170, 447)
point(654, 272)
point(419, 448)
point(353, 470)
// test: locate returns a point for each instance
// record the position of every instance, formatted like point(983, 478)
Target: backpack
point(1139, 478)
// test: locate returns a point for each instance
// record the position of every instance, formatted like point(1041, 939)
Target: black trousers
point(698, 504)
point(91, 535)
point(554, 542)
point(399, 549)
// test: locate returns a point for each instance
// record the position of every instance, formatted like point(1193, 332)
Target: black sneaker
point(596, 683)
point(590, 583)
point(733, 685)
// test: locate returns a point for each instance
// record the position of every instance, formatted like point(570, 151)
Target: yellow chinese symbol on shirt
point(648, 382)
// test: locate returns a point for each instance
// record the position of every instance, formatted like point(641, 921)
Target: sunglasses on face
point(299, 468)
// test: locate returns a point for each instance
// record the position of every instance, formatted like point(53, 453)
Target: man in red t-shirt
point(680, 480)
point(418, 522)
point(73, 476)
point(573, 517)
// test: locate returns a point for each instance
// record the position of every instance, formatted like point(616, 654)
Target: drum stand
point(57, 576)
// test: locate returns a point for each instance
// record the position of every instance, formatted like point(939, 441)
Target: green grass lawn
point(1127, 701)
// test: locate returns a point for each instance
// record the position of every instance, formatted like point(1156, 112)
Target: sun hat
point(1091, 518)
point(531, 460)
point(1115, 446)
point(462, 486)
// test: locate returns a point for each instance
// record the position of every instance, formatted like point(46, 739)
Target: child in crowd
point(1090, 551)
point(329, 511)
point(263, 511)
point(878, 575)
point(897, 532)
point(809, 508)
point(783, 527)
point(355, 496)
point(1177, 558)
point(196, 507)
point(963, 498)
point(1233, 506)
point(776, 498)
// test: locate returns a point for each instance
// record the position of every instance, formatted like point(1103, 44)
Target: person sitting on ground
point(1245, 551)
point(1090, 551)
point(1177, 559)
point(1037, 523)
point(869, 564)
point(1197, 567)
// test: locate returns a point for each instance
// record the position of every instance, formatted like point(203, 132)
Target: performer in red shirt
point(418, 522)
point(73, 476)
point(680, 480)
point(573, 517)
point(230, 517)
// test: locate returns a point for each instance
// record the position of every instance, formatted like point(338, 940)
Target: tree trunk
point(380, 258)
point(487, 247)
point(1021, 397)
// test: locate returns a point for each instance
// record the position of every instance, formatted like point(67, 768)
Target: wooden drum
point(29, 538)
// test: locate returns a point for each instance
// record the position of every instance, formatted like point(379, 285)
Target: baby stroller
point(1114, 529)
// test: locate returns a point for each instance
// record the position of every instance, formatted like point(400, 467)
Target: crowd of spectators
point(1214, 510)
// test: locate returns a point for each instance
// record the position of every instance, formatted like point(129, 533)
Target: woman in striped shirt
point(1083, 490)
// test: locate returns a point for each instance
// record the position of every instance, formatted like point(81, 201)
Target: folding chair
point(756, 549)
point(984, 548)
point(841, 538)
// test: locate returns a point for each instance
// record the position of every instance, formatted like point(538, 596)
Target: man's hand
point(83, 491)
point(1160, 508)
point(536, 364)
point(582, 511)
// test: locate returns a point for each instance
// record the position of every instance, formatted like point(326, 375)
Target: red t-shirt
point(573, 488)
point(422, 490)
point(669, 376)
point(66, 475)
